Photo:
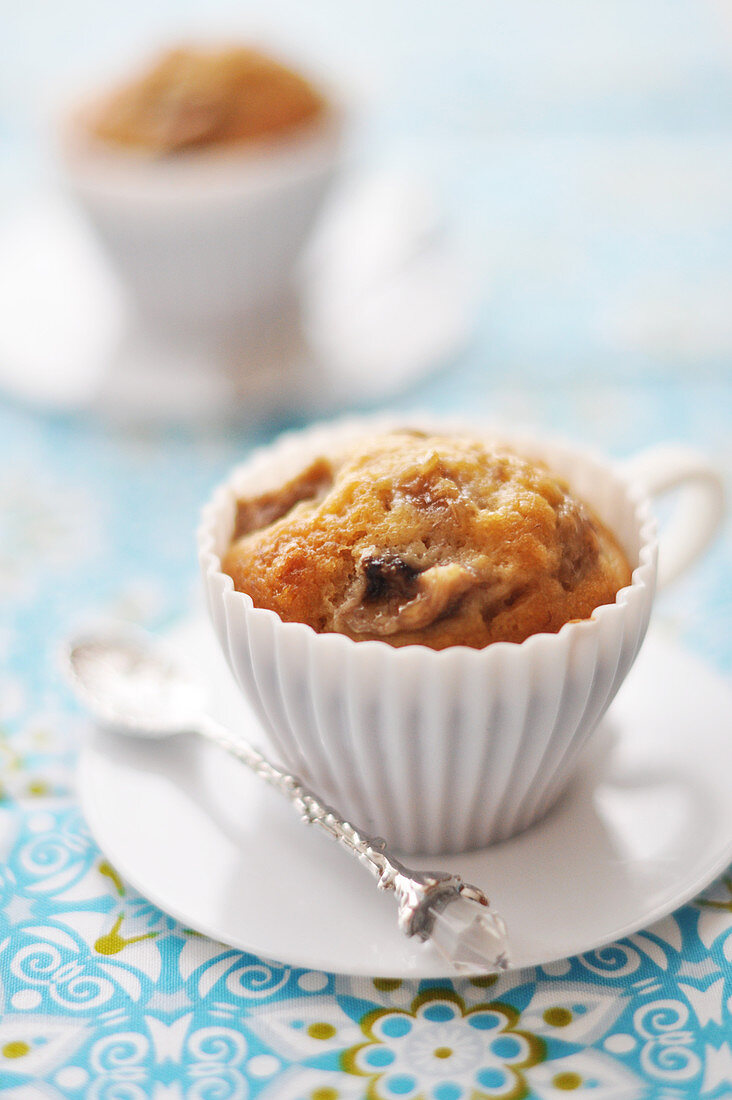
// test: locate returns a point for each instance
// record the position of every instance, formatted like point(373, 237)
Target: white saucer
point(645, 826)
point(383, 298)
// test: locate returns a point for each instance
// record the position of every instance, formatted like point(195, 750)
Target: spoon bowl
point(134, 684)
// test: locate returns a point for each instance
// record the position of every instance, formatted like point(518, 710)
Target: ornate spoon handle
point(423, 897)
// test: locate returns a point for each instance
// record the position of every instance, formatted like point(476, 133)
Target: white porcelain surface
point(441, 751)
point(645, 825)
point(353, 332)
point(206, 238)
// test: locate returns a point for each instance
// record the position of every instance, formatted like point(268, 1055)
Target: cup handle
point(697, 511)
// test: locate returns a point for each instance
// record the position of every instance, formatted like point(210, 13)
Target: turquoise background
point(582, 155)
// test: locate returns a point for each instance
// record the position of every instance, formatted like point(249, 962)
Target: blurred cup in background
point(203, 178)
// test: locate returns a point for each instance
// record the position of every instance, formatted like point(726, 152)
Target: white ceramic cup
point(444, 751)
point(208, 239)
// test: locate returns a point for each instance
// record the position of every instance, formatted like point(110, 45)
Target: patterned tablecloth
point(595, 184)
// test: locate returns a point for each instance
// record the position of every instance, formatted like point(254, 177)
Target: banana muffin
point(194, 97)
point(435, 540)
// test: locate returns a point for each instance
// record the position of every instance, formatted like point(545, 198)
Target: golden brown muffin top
point(434, 540)
point(193, 97)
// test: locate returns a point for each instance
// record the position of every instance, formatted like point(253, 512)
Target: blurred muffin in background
point(193, 97)
point(203, 175)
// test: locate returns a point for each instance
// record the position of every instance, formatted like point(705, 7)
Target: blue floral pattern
point(102, 995)
point(102, 992)
point(596, 193)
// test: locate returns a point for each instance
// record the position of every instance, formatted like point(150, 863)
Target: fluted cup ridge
point(439, 751)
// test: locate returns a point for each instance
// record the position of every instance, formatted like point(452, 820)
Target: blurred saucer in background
point(383, 297)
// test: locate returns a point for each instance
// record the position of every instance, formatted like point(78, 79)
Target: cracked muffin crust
point(437, 540)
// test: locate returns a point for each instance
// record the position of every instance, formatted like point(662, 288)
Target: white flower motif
point(121, 1054)
point(586, 1073)
point(440, 1046)
point(119, 1063)
point(707, 1003)
point(717, 1070)
point(199, 951)
point(617, 960)
point(301, 1028)
point(297, 1082)
point(253, 980)
point(32, 1046)
point(668, 930)
point(12, 697)
point(45, 528)
point(215, 1057)
point(399, 993)
point(667, 1053)
point(572, 1012)
point(715, 916)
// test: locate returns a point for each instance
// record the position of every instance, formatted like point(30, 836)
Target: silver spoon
point(131, 683)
